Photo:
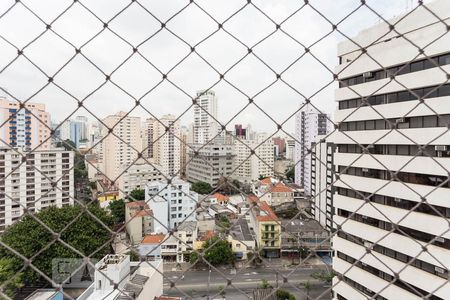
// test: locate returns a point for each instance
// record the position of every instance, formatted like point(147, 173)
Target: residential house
point(139, 220)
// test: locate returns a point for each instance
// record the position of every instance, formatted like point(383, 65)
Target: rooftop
point(220, 197)
point(299, 225)
point(241, 231)
point(153, 239)
point(187, 226)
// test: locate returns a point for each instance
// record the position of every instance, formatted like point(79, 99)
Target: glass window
point(380, 124)
point(444, 60)
point(370, 125)
point(404, 69)
point(392, 98)
point(430, 63)
point(430, 92)
point(392, 71)
point(351, 126)
point(380, 74)
point(343, 105)
point(417, 93)
point(417, 66)
point(343, 126)
point(402, 150)
point(444, 120)
point(429, 121)
point(415, 122)
point(404, 96)
point(351, 103)
point(392, 149)
point(444, 90)
point(360, 125)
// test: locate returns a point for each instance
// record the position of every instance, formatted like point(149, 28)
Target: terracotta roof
point(221, 198)
point(208, 235)
point(144, 213)
point(137, 204)
point(252, 198)
point(153, 239)
point(266, 181)
point(281, 188)
point(269, 215)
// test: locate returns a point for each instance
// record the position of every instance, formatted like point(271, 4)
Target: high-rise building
point(213, 161)
point(83, 122)
point(205, 115)
point(322, 179)
point(309, 125)
point(281, 143)
point(45, 179)
point(147, 137)
point(391, 199)
point(25, 128)
point(184, 136)
point(248, 166)
point(167, 144)
point(172, 204)
point(120, 146)
point(290, 149)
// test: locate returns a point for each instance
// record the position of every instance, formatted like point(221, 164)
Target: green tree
point(117, 209)
point(201, 187)
point(218, 251)
point(325, 276)
point(261, 177)
point(264, 284)
point(307, 286)
point(290, 173)
point(7, 272)
point(137, 195)
point(284, 295)
point(28, 237)
point(193, 258)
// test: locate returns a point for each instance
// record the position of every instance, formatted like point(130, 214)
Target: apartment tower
point(392, 194)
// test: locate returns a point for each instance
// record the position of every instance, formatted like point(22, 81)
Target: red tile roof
point(266, 181)
point(208, 235)
point(281, 188)
point(153, 239)
point(137, 204)
point(221, 198)
point(269, 215)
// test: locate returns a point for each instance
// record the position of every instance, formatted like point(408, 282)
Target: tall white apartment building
point(392, 198)
point(205, 126)
point(30, 184)
point(172, 204)
point(309, 125)
point(167, 144)
point(290, 149)
point(253, 158)
point(25, 128)
point(120, 149)
point(137, 176)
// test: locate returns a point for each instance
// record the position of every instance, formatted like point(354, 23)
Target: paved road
point(195, 283)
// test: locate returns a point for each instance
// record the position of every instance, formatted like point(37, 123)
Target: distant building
point(309, 125)
point(213, 161)
point(218, 198)
point(241, 239)
point(137, 176)
point(45, 179)
point(322, 180)
point(186, 235)
point(240, 132)
point(116, 278)
point(139, 221)
point(150, 246)
point(249, 167)
point(281, 143)
point(147, 137)
point(120, 148)
point(205, 125)
point(273, 191)
point(266, 226)
point(25, 128)
point(167, 145)
point(290, 149)
point(172, 203)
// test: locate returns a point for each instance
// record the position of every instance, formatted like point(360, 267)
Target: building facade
point(205, 125)
point(120, 147)
point(30, 184)
point(25, 128)
point(167, 145)
point(213, 161)
point(171, 204)
point(322, 179)
point(250, 167)
point(139, 221)
point(310, 125)
point(137, 176)
point(392, 198)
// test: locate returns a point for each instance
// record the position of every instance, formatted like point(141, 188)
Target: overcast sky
point(164, 50)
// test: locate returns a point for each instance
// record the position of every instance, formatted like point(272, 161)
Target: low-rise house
point(116, 278)
point(169, 249)
point(267, 227)
point(273, 192)
point(150, 246)
point(241, 239)
point(304, 235)
point(186, 234)
point(218, 198)
point(139, 221)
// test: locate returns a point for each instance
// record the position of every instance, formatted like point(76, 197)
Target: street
point(195, 283)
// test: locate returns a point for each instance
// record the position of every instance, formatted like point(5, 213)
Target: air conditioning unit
point(440, 148)
point(400, 120)
point(368, 244)
point(439, 270)
point(367, 74)
point(365, 170)
point(397, 200)
point(440, 239)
